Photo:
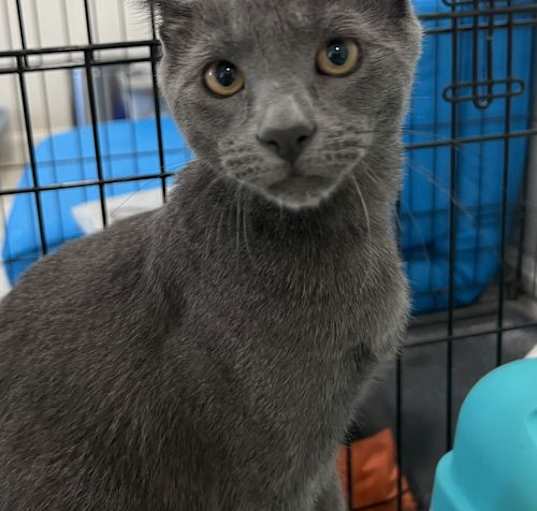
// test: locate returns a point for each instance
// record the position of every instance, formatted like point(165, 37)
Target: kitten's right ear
point(177, 7)
point(402, 8)
point(171, 15)
point(398, 8)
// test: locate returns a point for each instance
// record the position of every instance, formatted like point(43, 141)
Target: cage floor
point(424, 376)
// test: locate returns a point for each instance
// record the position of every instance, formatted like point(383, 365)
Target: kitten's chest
point(297, 328)
point(286, 362)
point(291, 355)
point(285, 299)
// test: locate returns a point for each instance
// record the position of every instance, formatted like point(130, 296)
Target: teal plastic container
point(493, 466)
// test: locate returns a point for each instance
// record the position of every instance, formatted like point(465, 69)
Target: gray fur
point(209, 355)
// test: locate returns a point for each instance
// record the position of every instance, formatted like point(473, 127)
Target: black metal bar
point(481, 27)
point(48, 113)
point(70, 48)
point(440, 321)
point(483, 105)
point(29, 132)
point(15, 80)
point(521, 221)
point(101, 91)
point(83, 184)
point(22, 31)
point(95, 131)
point(518, 9)
point(442, 143)
point(523, 213)
point(91, 159)
point(79, 142)
point(452, 231)
point(153, 21)
point(504, 190)
point(521, 9)
point(410, 147)
point(87, 17)
point(65, 67)
point(80, 48)
point(460, 3)
point(122, 15)
point(479, 101)
point(33, 162)
point(468, 336)
point(471, 140)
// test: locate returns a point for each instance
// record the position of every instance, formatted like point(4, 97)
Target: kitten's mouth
point(301, 191)
point(301, 185)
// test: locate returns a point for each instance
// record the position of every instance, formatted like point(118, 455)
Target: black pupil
point(338, 53)
point(225, 74)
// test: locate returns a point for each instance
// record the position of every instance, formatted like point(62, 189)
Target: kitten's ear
point(167, 9)
point(171, 15)
point(399, 8)
point(393, 9)
point(403, 7)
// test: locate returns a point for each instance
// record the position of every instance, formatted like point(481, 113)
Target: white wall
point(50, 23)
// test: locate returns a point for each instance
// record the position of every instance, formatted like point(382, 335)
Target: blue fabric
point(129, 149)
point(425, 202)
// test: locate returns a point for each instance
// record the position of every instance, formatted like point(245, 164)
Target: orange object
point(374, 475)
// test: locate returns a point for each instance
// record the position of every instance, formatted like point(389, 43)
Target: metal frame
point(92, 55)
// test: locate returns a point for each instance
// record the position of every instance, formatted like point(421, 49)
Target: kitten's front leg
point(331, 498)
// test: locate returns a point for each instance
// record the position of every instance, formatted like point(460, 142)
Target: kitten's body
point(204, 356)
point(200, 363)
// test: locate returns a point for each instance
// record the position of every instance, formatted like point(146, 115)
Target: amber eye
point(339, 57)
point(224, 79)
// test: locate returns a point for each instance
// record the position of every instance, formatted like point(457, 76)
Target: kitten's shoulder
point(85, 269)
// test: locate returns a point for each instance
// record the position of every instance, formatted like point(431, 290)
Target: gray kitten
point(209, 355)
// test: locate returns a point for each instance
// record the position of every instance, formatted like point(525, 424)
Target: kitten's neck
point(230, 234)
point(309, 270)
point(209, 204)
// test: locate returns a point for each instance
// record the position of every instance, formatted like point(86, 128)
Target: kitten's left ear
point(173, 17)
point(167, 7)
point(394, 9)
point(400, 8)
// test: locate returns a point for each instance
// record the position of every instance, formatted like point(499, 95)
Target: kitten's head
point(288, 96)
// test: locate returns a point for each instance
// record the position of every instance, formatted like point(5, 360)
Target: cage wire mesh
point(85, 140)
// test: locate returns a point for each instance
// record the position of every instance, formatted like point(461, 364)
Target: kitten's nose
point(286, 129)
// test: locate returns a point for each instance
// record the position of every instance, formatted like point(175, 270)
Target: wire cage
point(85, 140)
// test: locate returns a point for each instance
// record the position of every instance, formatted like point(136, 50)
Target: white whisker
point(369, 267)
